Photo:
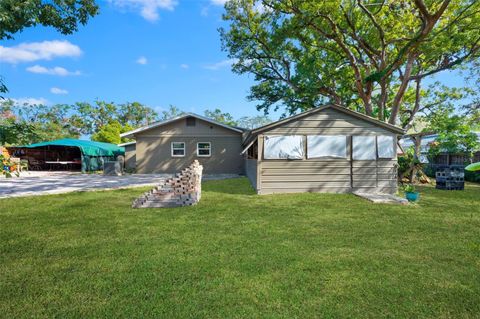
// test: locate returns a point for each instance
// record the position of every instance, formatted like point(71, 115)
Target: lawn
point(237, 254)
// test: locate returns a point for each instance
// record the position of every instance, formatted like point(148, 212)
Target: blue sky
point(157, 52)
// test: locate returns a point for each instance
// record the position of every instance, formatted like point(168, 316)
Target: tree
point(110, 133)
point(252, 122)
point(171, 113)
point(363, 54)
point(455, 134)
point(92, 117)
point(136, 114)
point(63, 15)
point(26, 123)
point(222, 117)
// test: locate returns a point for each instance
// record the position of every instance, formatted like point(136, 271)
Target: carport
point(68, 154)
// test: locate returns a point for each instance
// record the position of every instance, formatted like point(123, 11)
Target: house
point(130, 154)
point(169, 146)
point(326, 149)
point(444, 158)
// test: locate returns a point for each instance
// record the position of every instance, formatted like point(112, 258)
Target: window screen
point(283, 147)
point(178, 149)
point(364, 148)
point(385, 147)
point(204, 149)
point(326, 146)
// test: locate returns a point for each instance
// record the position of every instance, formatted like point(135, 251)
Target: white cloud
point(56, 90)
point(148, 8)
point(52, 71)
point(204, 12)
point(34, 51)
point(221, 64)
point(142, 60)
point(218, 2)
point(184, 66)
point(29, 101)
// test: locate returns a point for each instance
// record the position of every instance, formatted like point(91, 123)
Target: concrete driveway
point(57, 183)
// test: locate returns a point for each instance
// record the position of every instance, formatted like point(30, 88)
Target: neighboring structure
point(326, 149)
point(67, 154)
point(130, 157)
point(443, 158)
point(172, 145)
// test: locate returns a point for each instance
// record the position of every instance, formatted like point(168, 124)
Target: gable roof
point(130, 134)
point(259, 130)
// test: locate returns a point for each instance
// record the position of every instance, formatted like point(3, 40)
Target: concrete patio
point(44, 183)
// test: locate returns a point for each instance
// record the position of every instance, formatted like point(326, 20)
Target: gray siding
point(251, 171)
point(154, 148)
point(130, 158)
point(327, 175)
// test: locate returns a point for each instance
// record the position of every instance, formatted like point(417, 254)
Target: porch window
point(204, 149)
point(178, 149)
point(385, 147)
point(283, 147)
point(364, 148)
point(326, 146)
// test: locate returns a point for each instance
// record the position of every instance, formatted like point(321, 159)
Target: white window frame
point(177, 148)
point(209, 149)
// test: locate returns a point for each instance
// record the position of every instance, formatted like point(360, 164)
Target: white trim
point(247, 147)
point(157, 124)
point(127, 143)
point(209, 149)
point(184, 149)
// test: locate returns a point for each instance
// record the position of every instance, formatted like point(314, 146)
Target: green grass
point(237, 254)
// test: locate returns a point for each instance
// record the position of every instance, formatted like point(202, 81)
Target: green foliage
point(252, 122)
point(407, 162)
point(25, 124)
point(110, 133)
point(171, 113)
point(361, 54)
point(222, 117)
point(409, 188)
point(63, 15)
point(455, 134)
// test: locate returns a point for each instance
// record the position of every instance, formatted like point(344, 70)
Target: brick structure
point(185, 189)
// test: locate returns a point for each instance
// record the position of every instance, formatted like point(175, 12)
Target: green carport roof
point(88, 148)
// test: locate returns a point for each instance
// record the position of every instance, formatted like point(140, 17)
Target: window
point(385, 147)
point(204, 149)
point(190, 121)
point(178, 149)
point(364, 148)
point(326, 146)
point(283, 147)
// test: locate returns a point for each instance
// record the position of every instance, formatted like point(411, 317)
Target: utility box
point(450, 177)
point(113, 168)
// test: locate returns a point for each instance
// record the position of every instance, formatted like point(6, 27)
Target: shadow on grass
point(234, 186)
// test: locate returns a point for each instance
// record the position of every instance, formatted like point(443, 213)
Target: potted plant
point(411, 193)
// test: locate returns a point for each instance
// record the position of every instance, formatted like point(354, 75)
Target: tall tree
point(171, 112)
point(363, 54)
point(63, 15)
point(219, 116)
point(135, 114)
point(252, 122)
